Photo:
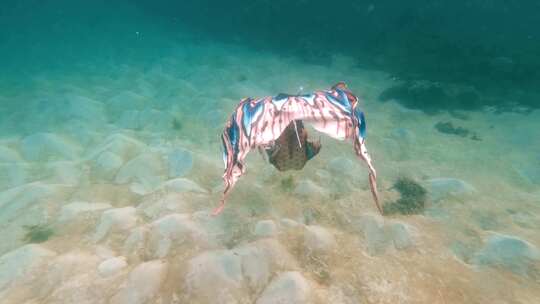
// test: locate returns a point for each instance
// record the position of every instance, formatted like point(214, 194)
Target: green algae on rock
point(287, 184)
point(412, 197)
point(38, 233)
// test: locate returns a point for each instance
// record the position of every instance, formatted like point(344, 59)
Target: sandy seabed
point(108, 178)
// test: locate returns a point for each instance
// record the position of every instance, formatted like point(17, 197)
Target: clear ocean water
point(110, 156)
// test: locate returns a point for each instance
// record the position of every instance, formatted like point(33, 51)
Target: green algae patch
point(287, 184)
point(448, 128)
point(38, 233)
point(177, 124)
point(412, 198)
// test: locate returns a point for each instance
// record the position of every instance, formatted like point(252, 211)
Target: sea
point(111, 157)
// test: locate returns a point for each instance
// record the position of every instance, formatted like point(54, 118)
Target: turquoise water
point(110, 117)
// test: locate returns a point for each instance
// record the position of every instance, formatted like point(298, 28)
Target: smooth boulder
point(509, 252)
point(21, 262)
point(180, 162)
point(118, 219)
point(143, 284)
point(288, 287)
point(444, 188)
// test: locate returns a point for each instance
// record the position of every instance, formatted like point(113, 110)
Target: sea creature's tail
point(232, 157)
point(361, 152)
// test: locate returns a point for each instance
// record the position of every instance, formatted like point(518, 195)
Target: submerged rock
point(374, 234)
point(530, 173)
point(24, 208)
point(126, 100)
point(403, 136)
point(379, 235)
point(174, 228)
point(341, 165)
point(344, 169)
point(145, 170)
point(337, 295)
point(120, 145)
point(8, 155)
point(507, 251)
point(184, 185)
point(70, 278)
point(45, 146)
point(71, 210)
point(20, 263)
point(67, 266)
point(112, 266)
point(120, 219)
point(277, 255)
point(309, 189)
point(394, 149)
point(65, 172)
point(257, 266)
point(180, 162)
point(151, 119)
point(266, 228)
point(289, 223)
point(167, 203)
point(156, 120)
point(84, 109)
point(107, 164)
point(136, 169)
point(288, 287)
point(135, 243)
point(143, 284)
point(104, 252)
point(444, 188)
point(318, 239)
point(15, 174)
point(16, 200)
point(229, 274)
point(219, 229)
point(401, 236)
point(129, 119)
point(213, 275)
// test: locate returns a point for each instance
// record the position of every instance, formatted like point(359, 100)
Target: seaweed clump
point(177, 124)
point(242, 78)
point(432, 97)
point(448, 128)
point(287, 184)
point(38, 233)
point(412, 198)
point(429, 99)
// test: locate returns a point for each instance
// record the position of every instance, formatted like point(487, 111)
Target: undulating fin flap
point(340, 85)
point(233, 154)
point(361, 152)
point(374, 193)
